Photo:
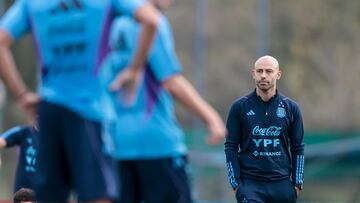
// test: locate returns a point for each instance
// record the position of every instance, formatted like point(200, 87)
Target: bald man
point(265, 142)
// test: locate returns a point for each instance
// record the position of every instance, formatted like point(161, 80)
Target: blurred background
point(317, 44)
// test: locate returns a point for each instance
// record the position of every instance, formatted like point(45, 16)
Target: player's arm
point(297, 148)
point(148, 17)
point(2, 143)
point(13, 24)
point(232, 143)
point(183, 91)
point(2, 146)
point(8, 70)
point(12, 136)
point(12, 80)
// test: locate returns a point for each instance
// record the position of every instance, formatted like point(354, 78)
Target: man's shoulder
point(129, 25)
point(125, 22)
point(245, 98)
point(289, 101)
point(26, 130)
point(17, 135)
point(242, 100)
point(18, 129)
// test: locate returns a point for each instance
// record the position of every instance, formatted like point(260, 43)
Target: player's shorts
point(71, 158)
point(24, 180)
point(251, 190)
point(154, 181)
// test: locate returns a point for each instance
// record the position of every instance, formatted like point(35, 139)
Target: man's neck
point(266, 95)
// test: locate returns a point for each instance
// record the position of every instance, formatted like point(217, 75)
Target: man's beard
point(265, 88)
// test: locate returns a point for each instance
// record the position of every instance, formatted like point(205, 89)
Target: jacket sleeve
point(232, 144)
point(297, 147)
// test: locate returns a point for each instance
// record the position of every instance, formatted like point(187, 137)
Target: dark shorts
point(154, 181)
point(251, 191)
point(71, 158)
point(24, 180)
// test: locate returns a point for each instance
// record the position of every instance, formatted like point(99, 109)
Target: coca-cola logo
point(270, 131)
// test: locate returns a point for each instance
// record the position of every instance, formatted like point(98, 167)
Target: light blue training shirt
point(147, 128)
point(71, 38)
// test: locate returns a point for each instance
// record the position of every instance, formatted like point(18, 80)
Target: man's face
point(265, 74)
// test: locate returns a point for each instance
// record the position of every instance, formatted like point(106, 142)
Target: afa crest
point(280, 112)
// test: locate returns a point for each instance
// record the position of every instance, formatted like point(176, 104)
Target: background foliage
point(317, 44)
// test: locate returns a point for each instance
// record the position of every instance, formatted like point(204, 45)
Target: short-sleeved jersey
point(24, 137)
point(71, 38)
point(148, 127)
point(265, 140)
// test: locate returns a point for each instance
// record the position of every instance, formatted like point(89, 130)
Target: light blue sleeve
point(127, 7)
point(120, 29)
point(106, 101)
point(104, 79)
point(16, 20)
point(163, 59)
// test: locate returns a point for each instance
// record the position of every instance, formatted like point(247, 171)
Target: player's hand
point(237, 188)
point(297, 191)
point(128, 80)
point(217, 131)
point(28, 102)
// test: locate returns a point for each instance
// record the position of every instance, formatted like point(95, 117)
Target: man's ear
point(279, 74)
point(253, 73)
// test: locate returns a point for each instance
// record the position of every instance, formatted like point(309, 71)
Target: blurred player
point(24, 137)
point(265, 143)
point(24, 195)
point(71, 37)
point(149, 142)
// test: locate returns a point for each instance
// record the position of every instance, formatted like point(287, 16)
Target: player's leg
point(129, 182)
point(251, 191)
point(164, 180)
point(281, 191)
point(52, 178)
point(92, 171)
point(23, 179)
